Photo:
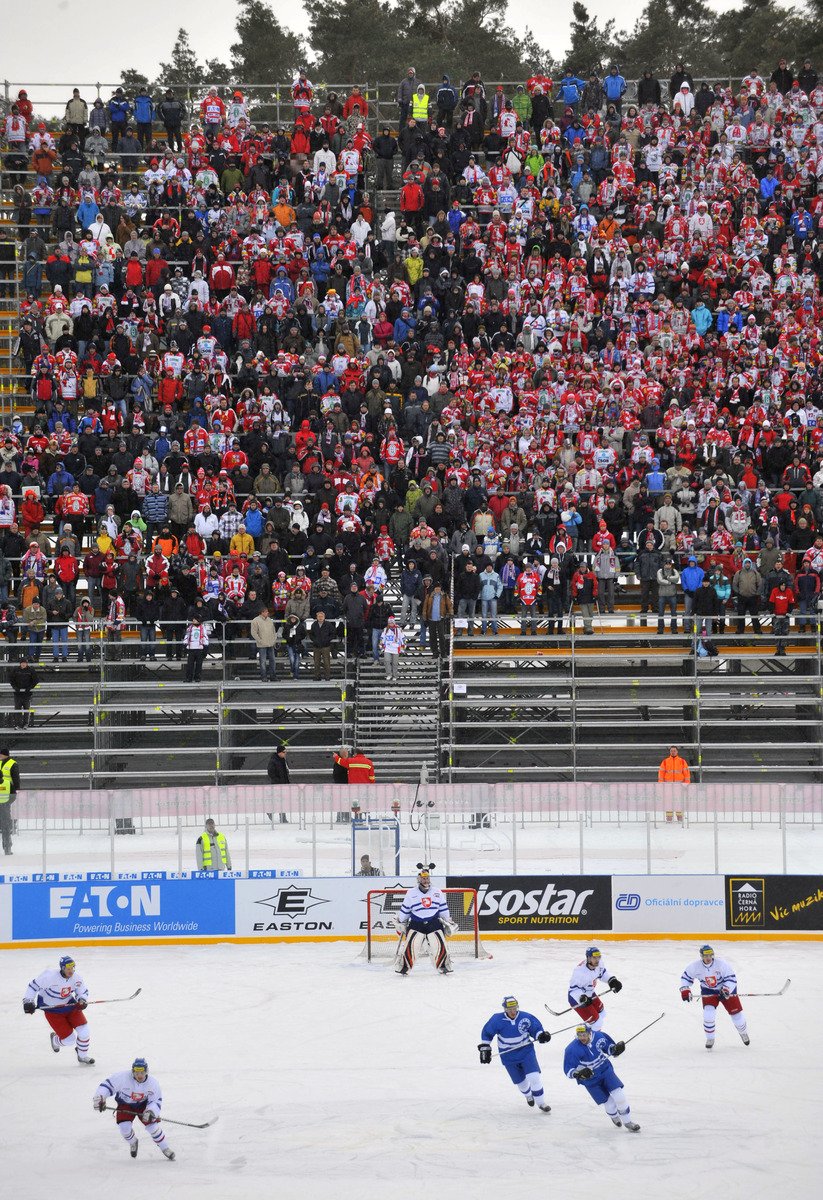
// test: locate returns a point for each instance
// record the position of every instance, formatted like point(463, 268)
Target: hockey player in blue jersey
point(516, 1032)
point(588, 1060)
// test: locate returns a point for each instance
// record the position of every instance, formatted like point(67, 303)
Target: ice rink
point(333, 1078)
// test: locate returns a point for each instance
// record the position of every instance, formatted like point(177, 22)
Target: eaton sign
point(121, 909)
point(104, 900)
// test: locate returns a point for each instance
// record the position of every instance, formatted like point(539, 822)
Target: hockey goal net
point(383, 907)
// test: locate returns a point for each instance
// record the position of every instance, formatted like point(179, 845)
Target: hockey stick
point(643, 1030)
point(168, 1120)
point(554, 1032)
point(784, 988)
point(117, 999)
point(572, 1007)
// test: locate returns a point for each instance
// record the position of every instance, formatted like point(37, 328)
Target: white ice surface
point(336, 1079)
point(534, 847)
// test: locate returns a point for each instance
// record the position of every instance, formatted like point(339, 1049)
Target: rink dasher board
point(112, 911)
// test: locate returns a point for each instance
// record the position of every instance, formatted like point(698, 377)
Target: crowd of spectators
point(584, 341)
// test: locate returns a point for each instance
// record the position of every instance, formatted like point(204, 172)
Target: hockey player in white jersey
point(424, 917)
point(136, 1094)
point(62, 996)
point(516, 1032)
point(583, 984)
point(718, 985)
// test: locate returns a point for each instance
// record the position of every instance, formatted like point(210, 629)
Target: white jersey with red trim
point(712, 977)
point(584, 980)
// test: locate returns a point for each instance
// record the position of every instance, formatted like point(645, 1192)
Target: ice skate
point(545, 1108)
point(85, 1058)
point(530, 1101)
point(55, 1042)
point(632, 1127)
point(133, 1148)
point(616, 1121)
point(709, 1043)
point(169, 1154)
point(745, 1038)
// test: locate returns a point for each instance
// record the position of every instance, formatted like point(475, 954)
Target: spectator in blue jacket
point(768, 186)
point(802, 222)
point(702, 318)
point(491, 589)
point(656, 479)
point(144, 116)
point(614, 87)
point(690, 580)
point(60, 480)
point(569, 90)
point(87, 210)
point(119, 113)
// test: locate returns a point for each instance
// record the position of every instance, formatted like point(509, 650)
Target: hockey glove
point(617, 1048)
point(98, 1103)
point(543, 1036)
point(725, 993)
point(448, 929)
point(584, 1001)
point(81, 1003)
point(29, 1006)
point(485, 1052)
point(149, 1116)
point(685, 994)
point(615, 984)
point(584, 1073)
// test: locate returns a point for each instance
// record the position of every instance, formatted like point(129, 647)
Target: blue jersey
point(511, 1035)
point(595, 1055)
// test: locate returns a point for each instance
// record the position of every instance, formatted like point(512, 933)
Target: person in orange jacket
point(359, 767)
point(674, 769)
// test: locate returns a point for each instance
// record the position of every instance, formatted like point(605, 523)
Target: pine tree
point(592, 48)
point(183, 70)
point(264, 52)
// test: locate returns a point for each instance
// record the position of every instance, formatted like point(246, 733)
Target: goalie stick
point(572, 1007)
point(185, 1124)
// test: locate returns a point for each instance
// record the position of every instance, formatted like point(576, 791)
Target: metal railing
point(480, 828)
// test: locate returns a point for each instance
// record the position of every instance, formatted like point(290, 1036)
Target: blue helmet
point(592, 952)
point(704, 950)
point(510, 1002)
point(66, 961)
point(140, 1064)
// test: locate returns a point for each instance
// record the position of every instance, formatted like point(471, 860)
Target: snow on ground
point(333, 1078)
point(533, 847)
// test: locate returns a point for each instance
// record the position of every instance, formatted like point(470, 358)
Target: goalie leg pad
point(439, 954)
point(404, 960)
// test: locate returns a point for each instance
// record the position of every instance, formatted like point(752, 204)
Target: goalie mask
point(424, 881)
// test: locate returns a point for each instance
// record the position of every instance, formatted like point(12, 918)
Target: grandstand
point(567, 360)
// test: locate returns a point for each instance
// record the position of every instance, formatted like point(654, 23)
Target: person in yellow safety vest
point(420, 105)
point(212, 850)
point(9, 784)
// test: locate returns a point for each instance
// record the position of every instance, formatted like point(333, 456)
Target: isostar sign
point(530, 903)
point(668, 904)
point(774, 902)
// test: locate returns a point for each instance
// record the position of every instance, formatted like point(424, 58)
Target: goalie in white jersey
point(136, 1094)
point(424, 917)
point(718, 985)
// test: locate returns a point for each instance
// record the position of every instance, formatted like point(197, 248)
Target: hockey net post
point(383, 907)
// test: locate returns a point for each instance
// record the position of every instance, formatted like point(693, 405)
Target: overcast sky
point(101, 43)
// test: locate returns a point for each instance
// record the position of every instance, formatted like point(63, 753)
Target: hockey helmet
point(140, 1064)
point(582, 1031)
point(592, 952)
point(510, 1002)
point(65, 962)
point(706, 952)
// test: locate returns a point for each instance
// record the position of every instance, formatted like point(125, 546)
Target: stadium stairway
point(398, 724)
